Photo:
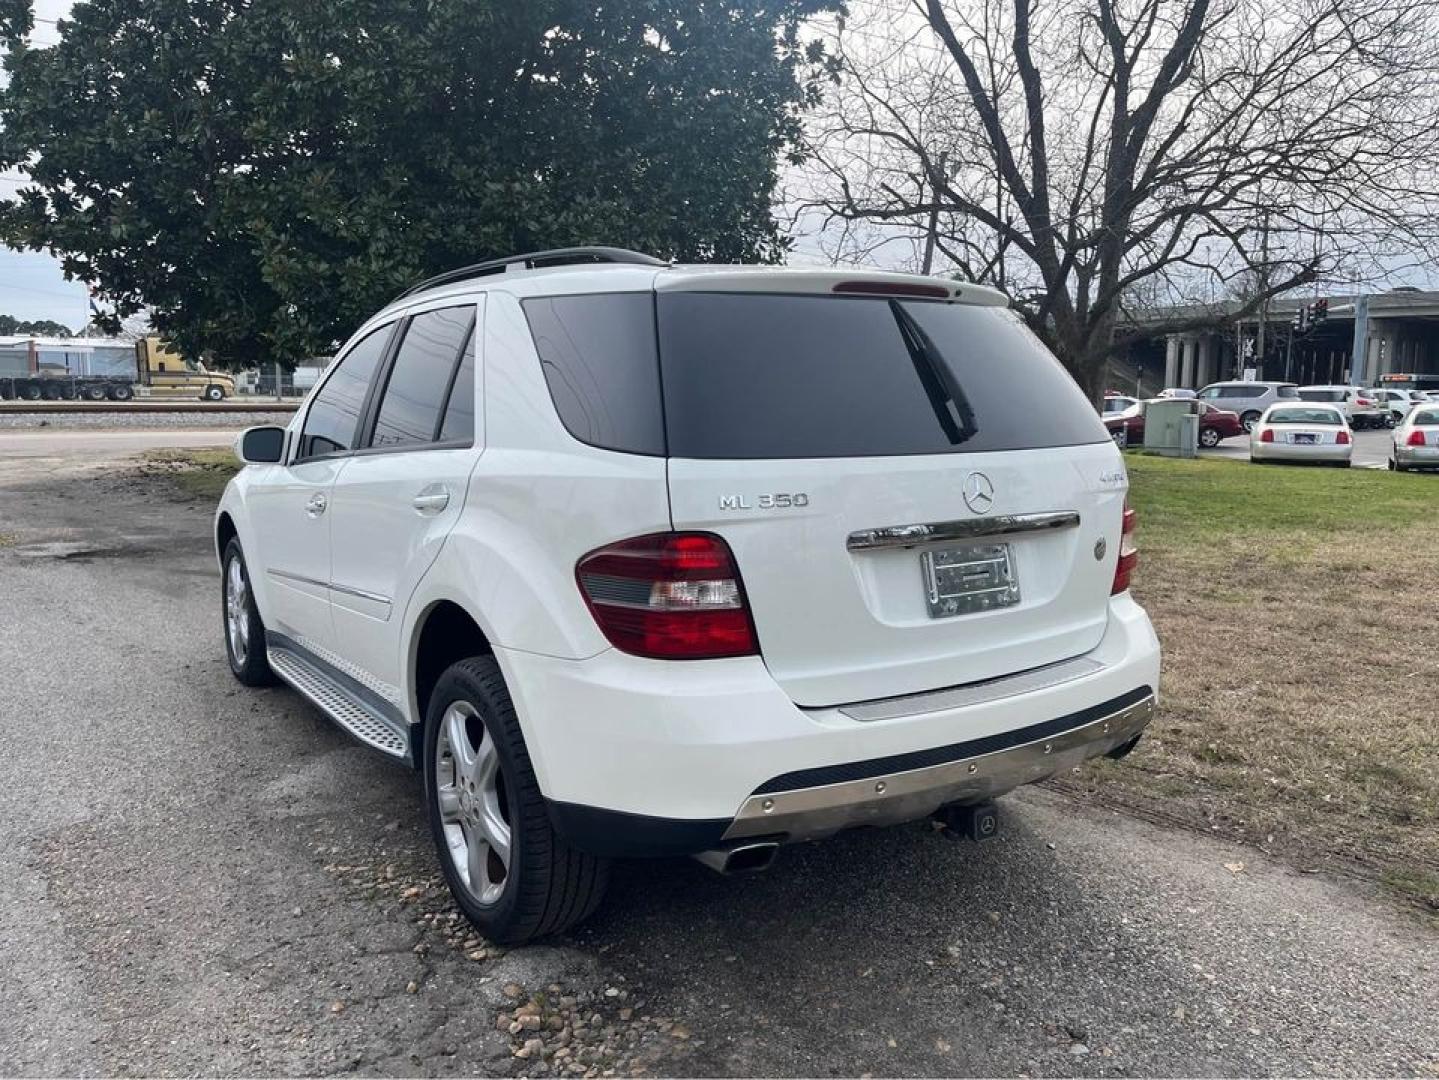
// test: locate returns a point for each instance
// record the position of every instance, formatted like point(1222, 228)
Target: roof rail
point(534, 259)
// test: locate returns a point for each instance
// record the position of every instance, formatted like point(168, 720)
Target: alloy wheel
point(471, 789)
point(237, 611)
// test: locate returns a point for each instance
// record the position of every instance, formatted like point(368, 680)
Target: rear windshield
point(782, 376)
point(1304, 416)
point(1322, 395)
point(1425, 418)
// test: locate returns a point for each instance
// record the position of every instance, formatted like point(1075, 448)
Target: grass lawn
point(1300, 693)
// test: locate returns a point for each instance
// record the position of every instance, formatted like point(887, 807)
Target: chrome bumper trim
point(810, 813)
point(956, 697)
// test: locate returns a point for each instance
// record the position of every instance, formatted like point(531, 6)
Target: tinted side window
point(459, 425)
point(420, 377)
point(771, 376)
point(598, 356)
point(1289, 393)
point(334, 416)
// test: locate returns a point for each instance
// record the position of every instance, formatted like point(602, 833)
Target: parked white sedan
point(1299, 433)
point(1416, 440)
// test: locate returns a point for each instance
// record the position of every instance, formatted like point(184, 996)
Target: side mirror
point(261, 445)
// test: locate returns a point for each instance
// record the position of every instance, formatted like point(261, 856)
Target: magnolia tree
point(1080, 154)
point(260, 175)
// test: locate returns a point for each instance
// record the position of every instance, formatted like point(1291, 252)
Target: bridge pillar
point(1171, 361)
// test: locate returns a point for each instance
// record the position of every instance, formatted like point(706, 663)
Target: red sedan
point(1214, 424)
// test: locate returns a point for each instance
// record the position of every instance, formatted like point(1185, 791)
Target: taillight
point(1416, 438)
point(1267, 435)
point(1342, 438)
point(669, 596)
point(1128, 553)
point(1363, 402)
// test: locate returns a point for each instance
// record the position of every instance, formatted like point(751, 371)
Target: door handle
point(316, 506)
point(431, 500)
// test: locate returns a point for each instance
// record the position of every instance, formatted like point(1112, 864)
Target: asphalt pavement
point(197, 878)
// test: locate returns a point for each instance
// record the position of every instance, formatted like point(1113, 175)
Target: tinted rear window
point(769, 376)
point(1322, 395)
point(1425, 418)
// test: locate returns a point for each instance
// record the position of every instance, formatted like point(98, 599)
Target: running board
point(328, 693)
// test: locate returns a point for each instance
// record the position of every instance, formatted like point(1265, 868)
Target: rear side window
point(420, 377)
point(775, 376)
point(1288, 393)
point(1322, 395)
point(334, 416)
point(598, 356)
point(459, 424)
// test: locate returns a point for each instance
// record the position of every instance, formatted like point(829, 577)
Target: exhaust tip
point(745, 859)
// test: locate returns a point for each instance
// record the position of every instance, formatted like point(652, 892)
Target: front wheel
point(1249, 419)
point(1208, 437)
point(214, 393)
point(512, 875)
point(244, 632)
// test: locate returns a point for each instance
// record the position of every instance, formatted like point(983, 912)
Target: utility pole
point(1263, 289)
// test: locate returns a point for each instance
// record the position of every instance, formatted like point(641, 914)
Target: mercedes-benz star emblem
point(978, 492)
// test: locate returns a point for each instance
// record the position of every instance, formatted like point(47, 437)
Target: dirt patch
point(192, 474)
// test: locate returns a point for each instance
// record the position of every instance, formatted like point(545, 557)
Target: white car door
point(402, 491)
point(289, 504)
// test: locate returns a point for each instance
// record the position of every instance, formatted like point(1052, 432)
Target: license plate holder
point(967, 578)
point(1304, 438)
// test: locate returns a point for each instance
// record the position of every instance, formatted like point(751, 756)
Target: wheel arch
point(225, 531)
point(444, 633)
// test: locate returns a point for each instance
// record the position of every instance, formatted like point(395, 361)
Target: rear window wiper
point(951, 406)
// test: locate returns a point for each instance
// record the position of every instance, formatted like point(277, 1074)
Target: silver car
point(1416, 440)
point(1302, 432)
point(1248, 399)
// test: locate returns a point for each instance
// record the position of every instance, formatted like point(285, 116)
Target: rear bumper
point(647, 757)
point(1291, 452)
point(1426, 456)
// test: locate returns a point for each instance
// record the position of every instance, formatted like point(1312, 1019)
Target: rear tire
point(94, 393)
point(31, 392)
point(1249, 419)
point(1208, 438)
point(121, 393)
point(512, 875)
point(240, 619)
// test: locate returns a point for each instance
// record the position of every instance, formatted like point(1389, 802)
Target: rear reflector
point(893, 288)
point(1267, 435)
point(1128, 553)
point(669, 596)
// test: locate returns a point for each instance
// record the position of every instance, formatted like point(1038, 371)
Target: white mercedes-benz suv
point(637, 559)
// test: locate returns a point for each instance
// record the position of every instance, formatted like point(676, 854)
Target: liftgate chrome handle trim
point(903, 536)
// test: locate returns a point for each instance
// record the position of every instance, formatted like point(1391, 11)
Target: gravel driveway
point(200, 879)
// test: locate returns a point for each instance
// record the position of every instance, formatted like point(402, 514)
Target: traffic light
point(1321, 312)
point(1301, 319)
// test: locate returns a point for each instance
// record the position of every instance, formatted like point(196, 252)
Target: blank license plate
point(975, 577)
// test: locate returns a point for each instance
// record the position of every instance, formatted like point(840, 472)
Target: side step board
point(343, 704)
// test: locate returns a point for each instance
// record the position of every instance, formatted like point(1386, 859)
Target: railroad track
point(169, 405)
